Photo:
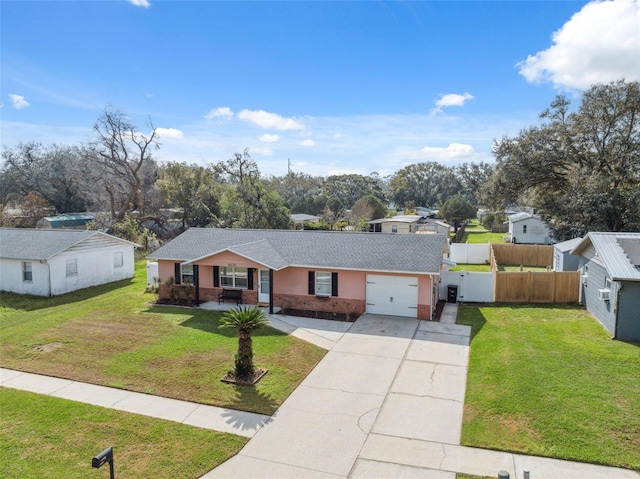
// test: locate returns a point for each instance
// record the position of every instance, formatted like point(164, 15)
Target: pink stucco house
point(309, 270)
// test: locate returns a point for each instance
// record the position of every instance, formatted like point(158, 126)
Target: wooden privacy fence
point(524, 254)
point(536, 287)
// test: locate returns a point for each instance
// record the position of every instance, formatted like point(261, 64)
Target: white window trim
point(71, 266)
point(234, 273)
point(26, 271)
point(323, 281)
point(118, 259)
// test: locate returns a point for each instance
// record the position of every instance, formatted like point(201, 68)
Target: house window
point(234, 277)
point(607, 284)
point(323, 283)
point(524, 229)
point(394, 228)
point(27, 272)
point(72, 267)
point(118, 260)
point(187, 274)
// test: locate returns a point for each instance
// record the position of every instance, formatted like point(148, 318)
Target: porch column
point(196, 283)
point(270, 291)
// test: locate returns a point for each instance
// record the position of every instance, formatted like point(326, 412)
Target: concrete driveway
point(386, 379)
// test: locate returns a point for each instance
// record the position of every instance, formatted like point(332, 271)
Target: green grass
point(549, 381)
point(47, 437)
point(476, 233)
point(482, 268)
point(113, 335)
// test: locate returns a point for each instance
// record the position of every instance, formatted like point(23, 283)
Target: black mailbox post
point(102, 458)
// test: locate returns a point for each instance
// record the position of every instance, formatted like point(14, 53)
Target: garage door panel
point(392, 295)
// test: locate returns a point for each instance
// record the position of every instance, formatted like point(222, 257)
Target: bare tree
point(122, 153)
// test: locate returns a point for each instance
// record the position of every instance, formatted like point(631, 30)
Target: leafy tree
point(580, 170)
point(456, 210)
point(59, 174)
point(349, 188)
point(424, 184)
point(130, 229)
point(471, 177)
point(244, 319)
point(365, 209)
point(247, 203)
point(193, 189)
point(297, 190)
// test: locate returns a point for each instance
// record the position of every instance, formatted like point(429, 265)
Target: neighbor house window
point(187, 274)
point(27, 272)
point(234, 277)
point(524, 229)
point(607, 284)
point(118, 261)
point(72, 267)
point(394, 228)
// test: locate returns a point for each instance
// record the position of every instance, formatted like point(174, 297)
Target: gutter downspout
point(48, 276)
point(431, 298)
point(617, 310)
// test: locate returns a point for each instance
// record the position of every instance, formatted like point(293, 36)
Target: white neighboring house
point(52, 262)
point(525, 228)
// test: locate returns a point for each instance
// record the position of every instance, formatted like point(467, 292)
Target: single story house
point(46, 262)
point(408, 224)
point(610, 287)
point(563, 260)
point(308, 270)
point(526, 228)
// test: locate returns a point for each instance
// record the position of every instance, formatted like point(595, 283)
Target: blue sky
point(336, 87)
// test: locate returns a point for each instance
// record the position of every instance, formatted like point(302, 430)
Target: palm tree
point(244, 319)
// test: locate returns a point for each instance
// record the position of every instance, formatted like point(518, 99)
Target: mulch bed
point(319, 314)
point(231, 378)
point(438, 311)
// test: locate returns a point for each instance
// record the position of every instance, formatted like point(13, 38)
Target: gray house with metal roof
point(46, 262)
point(308, 270)
point(610, 286)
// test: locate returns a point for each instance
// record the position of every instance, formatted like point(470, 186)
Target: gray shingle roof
point(41, 244)
point(278, 249)
point(611, 251)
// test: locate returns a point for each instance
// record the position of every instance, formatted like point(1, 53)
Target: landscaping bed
point(333, 316)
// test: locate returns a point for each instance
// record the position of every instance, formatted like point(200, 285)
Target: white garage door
point(392, 295)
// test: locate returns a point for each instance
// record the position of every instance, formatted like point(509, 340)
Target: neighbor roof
point(69, 219)
point(41, 244)
point(277, 249)
point(300, 217)
point(398, 219)
point(520, 216)
point(619, 252)
point(568, 245)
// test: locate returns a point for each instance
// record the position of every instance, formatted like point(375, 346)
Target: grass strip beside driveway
point(113, 335)
point(47, 437)
point(549, 381)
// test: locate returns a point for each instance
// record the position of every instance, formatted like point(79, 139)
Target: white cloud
point(599, 44)
point(140, 3)
point(223, 112)
point(266, 138)
point(18, 102)
point(261, 150)
point(307, 142)
point(169, 134)
point(266, 120)
point(453, 152)
point(453, 99)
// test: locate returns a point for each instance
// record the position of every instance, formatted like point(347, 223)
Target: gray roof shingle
point(41, 244)
point(278, 249)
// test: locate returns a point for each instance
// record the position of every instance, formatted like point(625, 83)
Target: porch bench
point(232, 294)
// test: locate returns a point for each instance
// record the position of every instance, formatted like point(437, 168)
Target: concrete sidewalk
point(209, 417)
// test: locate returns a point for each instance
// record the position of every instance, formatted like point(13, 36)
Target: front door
point(264, 286)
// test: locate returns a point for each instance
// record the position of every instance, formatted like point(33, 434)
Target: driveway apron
point(375, 381)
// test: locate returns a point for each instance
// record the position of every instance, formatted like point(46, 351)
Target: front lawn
point(113, 335)
point(47, 437)
point(549, 381)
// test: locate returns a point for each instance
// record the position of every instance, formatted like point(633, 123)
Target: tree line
point(580, 170)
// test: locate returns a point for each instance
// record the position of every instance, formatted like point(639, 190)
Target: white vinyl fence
point(470, 253)
point(472, 286)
